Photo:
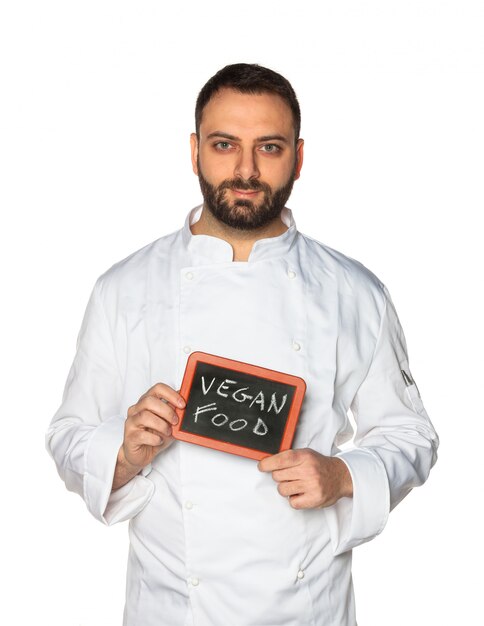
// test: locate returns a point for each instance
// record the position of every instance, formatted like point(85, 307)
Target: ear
point(299, 157)
point(194, 150)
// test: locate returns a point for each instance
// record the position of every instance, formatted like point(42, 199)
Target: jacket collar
point(206, 248)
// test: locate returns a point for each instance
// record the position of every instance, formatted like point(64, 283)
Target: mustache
point(244, 185)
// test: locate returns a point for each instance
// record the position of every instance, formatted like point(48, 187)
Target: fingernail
point(181, 403)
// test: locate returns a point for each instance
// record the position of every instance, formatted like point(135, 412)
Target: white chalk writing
point(204, 409)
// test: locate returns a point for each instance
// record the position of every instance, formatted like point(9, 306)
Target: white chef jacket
point(212, 542)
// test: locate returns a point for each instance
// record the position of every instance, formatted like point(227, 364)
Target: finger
point(147, 438)
point(157, 449)
point(148, 420)
point(291, 488)
point(165, 392)
point(290, 473)
point(282, 460)
point(309, 500)
point(300, 501)
point(159, 408)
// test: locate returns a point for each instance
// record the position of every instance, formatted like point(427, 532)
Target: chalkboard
point(237, 407)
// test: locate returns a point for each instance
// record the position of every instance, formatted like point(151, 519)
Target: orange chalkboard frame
point(254, 370)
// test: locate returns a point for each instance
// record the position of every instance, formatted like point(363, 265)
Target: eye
point(270, 148)
point(223, 146)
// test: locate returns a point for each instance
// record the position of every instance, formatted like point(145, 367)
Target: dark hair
point(249, 78)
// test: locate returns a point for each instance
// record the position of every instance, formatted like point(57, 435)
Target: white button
point(194, 581)
point(291, 274)
point(188, 505)
point(300, 574)
point(189, 275)
point(296, 346)
point(187, 349)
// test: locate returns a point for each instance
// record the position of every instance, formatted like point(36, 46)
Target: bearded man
point(217, 539)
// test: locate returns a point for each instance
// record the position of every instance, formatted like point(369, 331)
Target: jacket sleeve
point(87, 431)
point(395, 444)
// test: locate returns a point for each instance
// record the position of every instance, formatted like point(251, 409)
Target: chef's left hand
point(308, 479)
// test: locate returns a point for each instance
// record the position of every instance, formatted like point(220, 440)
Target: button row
point(295, 346)
point(194, 581)
point(190, 275)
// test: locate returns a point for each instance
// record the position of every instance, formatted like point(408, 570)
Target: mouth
point(245, 193)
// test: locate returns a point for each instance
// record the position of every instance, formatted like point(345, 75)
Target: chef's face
point(246, 157)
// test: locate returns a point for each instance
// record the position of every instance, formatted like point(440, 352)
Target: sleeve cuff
point(100, 462)
point(353, 521)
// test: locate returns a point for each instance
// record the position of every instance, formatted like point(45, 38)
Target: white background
point(96, 108)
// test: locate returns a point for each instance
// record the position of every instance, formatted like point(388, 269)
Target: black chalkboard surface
point(237, 407)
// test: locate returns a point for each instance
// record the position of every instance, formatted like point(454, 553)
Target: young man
point(217, 539)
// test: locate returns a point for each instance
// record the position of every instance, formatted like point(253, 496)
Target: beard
point(243, 214)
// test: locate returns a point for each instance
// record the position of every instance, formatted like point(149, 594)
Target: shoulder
point(348, 275)
point(347, 286)
point(130, 275)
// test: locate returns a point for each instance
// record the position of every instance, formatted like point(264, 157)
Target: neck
point(240, 240)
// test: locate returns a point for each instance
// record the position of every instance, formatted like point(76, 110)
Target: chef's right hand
point(147, 431)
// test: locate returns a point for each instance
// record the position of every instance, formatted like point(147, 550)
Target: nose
point(246, 167)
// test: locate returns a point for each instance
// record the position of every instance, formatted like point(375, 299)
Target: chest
point(270, 314)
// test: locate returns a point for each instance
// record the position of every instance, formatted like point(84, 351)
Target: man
point(217, 539)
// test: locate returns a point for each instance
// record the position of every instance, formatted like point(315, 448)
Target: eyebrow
point(224, 135)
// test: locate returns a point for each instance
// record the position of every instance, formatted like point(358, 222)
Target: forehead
point(245, 114)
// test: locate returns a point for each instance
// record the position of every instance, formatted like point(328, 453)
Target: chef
point(218, 539)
